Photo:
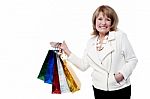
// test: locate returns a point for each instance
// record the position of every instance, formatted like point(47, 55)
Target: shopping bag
point(76, 79)
point(50, 69)
point(73, 86)
point(56, 71)
point(46, 72)
point(55, 83)
point(62, 78)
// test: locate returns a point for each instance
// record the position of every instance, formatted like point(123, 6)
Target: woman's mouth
point(103, 27)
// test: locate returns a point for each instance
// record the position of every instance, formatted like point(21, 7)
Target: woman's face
point(103, 23)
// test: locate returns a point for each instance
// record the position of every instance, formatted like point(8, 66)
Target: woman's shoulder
point(91, 40)
point(119, 33)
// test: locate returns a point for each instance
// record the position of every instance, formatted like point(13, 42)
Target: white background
point(27, 27)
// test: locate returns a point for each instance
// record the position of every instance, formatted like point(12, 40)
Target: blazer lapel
point(108, 47)
point(106, 51)
point(98, 58)
point(93, 55)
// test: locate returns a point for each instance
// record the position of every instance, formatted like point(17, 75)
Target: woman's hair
point(110, 13)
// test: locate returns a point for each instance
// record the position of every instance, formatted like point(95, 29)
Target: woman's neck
point(102, 35)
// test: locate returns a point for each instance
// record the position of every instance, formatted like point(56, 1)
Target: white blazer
point(116, 56)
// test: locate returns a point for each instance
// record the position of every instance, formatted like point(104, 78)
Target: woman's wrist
point(67, 52)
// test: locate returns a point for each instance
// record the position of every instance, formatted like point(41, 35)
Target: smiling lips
point(103, 27)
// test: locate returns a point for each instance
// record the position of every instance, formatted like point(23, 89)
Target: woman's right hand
point(62, 46)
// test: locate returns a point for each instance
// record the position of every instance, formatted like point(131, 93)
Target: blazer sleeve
point(129, 57)
point(80, 63)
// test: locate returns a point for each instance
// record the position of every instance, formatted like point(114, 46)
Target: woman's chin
point(103, 31)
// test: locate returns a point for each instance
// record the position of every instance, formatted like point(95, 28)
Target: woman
point(110, 55)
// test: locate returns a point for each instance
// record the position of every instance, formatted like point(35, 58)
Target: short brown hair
point(110, 13)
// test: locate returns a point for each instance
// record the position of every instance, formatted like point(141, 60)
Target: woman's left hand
point(119, 77)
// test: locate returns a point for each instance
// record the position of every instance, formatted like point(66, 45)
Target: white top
point(116, 56)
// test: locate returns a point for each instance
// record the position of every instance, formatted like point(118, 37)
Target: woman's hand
point(62, 46)
point(119, 77)
point(65, 48)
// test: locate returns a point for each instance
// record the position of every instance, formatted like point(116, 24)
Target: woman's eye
point(100, 19)
point(108, 19)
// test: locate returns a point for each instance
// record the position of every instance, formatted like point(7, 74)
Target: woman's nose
point(103, 22)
